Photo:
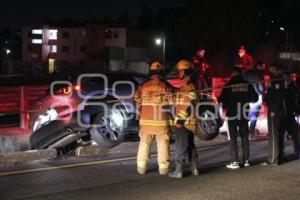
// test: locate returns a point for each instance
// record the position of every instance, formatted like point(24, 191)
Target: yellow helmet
point(184, 64)
point(156, 66)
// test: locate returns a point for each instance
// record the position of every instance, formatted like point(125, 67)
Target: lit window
point(53, 34)
point(51, 63)
point(37, 41)
point(53, 49)
point(37, 31)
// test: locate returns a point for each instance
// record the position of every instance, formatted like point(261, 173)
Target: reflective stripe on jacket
point(185, 105)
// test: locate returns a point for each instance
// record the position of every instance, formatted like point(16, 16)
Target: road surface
point(117, 179)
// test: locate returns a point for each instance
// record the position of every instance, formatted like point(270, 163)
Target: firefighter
point(152, 96)
point(244, 60)
point(276, 112)
point(236, 97)
point(185, 121)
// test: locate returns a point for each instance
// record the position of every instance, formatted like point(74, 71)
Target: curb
point(7, 159)
point(26, 156)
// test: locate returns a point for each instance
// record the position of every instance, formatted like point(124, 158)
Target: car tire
point(208, 125)
point(48, 134)
point(105, 133)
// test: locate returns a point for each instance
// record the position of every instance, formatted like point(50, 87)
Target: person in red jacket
point(244, 61)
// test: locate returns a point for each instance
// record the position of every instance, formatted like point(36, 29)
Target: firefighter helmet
point(184, 64)
point(156, 66)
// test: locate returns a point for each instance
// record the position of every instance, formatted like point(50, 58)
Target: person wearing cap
point(275, 98)
point(185, 121)
point(244, 61)
point(152, 97)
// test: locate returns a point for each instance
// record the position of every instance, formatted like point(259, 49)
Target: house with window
point(94, 48)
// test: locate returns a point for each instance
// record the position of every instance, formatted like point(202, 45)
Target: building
point(131, 49)
point(60, 48)
point(90, 48)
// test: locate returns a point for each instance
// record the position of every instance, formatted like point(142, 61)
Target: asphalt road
point(117, 179)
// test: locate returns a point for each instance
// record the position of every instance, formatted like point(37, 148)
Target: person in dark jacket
point(291, 105)
point(235, 97)
point(276, 112)
point(202, 69)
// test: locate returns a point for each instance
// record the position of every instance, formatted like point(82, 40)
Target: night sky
point(16, 13)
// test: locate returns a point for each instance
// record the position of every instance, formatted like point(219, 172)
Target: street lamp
point(161, 41)
point(7, 51)
point(158, 41)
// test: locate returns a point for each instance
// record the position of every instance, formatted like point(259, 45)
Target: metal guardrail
point(16, 100)
point(19, 100)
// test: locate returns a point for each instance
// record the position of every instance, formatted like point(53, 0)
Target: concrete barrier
point(14, 143)
point(91, 150)
point(26, 156)
point(9, 157)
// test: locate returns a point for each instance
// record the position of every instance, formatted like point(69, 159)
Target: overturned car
point(99, 108)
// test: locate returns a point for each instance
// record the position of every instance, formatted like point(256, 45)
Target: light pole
point(287, 49)
point(8, 64)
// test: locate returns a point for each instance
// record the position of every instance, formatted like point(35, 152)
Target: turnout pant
point(275, 129)
point(184, 148)
point(235, 127)
point(163, 154)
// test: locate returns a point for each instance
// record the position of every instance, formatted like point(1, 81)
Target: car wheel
point(208, 125)
point(109, 129)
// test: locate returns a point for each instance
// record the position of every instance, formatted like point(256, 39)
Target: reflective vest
point(185, 106)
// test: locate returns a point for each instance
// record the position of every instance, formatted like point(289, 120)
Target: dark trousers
point(275, 129)
point(235, 127)
point(185, 147)
point(291, 126)
point(253, 115)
